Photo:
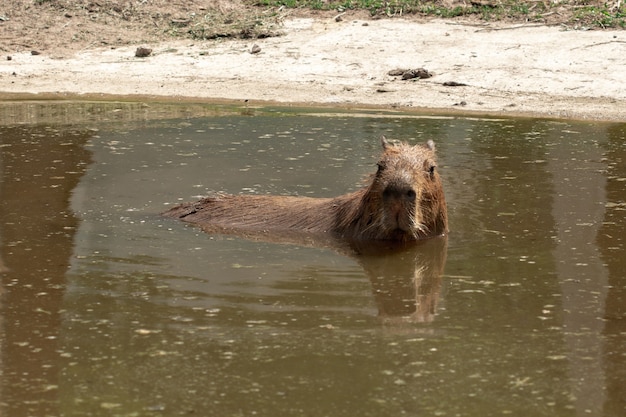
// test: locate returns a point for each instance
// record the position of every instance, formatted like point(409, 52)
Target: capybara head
point(405, 200)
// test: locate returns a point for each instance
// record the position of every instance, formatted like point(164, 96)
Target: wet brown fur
point(404, 201)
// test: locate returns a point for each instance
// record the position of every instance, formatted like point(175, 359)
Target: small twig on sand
point(338, 18)
point(522, 26)
point(596, 44)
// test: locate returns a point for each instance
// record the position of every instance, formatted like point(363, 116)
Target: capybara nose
point(396, 192)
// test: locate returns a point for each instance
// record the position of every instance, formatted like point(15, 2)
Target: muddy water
point(108, 309)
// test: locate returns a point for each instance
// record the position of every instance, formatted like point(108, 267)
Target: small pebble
point(142, 52)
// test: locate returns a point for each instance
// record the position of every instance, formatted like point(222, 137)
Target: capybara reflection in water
point(403, 202)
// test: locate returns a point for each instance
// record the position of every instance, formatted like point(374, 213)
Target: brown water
point(108, 309)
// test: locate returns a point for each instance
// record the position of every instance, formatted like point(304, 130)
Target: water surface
point(109, 309)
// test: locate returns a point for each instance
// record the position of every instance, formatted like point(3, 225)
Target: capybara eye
point(432, 171)
point(411, 194)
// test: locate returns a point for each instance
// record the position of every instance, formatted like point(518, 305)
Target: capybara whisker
point(404, 201)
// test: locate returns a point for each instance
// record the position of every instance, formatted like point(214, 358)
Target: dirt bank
point(486, 68)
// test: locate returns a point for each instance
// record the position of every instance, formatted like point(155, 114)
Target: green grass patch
point(593, 16)
point(574, 13)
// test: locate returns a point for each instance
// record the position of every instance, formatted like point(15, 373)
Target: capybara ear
point(384, 142)
point(431, 145)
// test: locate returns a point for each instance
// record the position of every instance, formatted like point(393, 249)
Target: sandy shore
point(517, 70)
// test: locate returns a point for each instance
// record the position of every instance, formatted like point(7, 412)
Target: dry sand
point(508, 69)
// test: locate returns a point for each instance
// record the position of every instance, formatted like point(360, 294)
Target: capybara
point(403, 202)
